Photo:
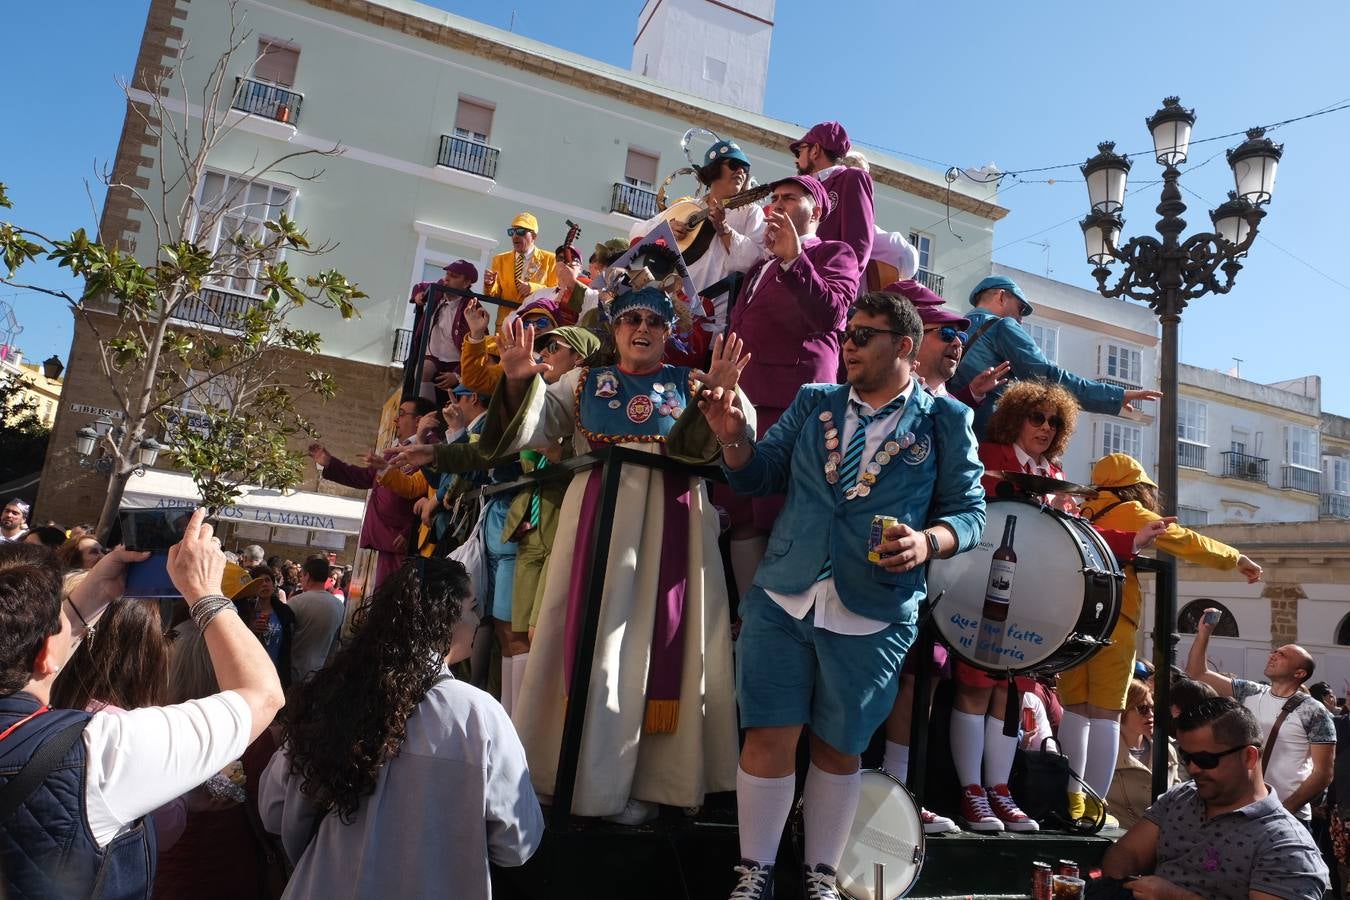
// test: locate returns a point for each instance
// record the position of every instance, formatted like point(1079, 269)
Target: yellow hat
point(1119, 470)
point(237, 584)
point(526, 220)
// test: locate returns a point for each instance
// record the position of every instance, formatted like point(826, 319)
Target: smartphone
point(1212, 617)
point(155, 530)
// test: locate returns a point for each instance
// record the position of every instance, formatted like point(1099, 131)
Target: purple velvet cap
point(828, 136)
point(463, 267)
point(813, 187)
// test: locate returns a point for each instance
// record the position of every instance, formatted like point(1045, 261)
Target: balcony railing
point(402, 344)
point(468, 156)
point(1191, 456)
point(629, 200)
point(1337, 506)
point(267, 100)
point(1297, 478)
point(930, 280)
point(219, 309)
point(1246, 467)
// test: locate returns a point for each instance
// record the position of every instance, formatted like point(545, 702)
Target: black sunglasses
point(1203, 759)
point(517, 231)
point(1038, 418)
point(633, 320)
point(947, 333)
point(860, 335)
point(1144, 709)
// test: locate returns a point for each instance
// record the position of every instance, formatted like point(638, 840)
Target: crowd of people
point(859, 433)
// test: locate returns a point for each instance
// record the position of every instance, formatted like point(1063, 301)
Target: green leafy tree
point(23, 437)
point(222, 395)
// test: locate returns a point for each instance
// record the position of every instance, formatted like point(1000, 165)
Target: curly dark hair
point(1021, 399)
point(350, 718)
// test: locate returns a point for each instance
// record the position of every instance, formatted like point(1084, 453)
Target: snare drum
point(887, 829)
point(1062, 598)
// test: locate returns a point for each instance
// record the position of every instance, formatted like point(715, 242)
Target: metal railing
point(1337, 506)
point(1191, 456)
point(628, 200)
point(217, 308)
point(930, 280)
point(1297, 478)
point(1245, 466)
point(267, 100)
point(402, 344)
point(468, 156)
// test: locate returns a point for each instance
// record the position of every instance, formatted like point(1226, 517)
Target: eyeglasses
point(1022, 308)
point(1204, 759)
point(947, 333)
point(860, 335)
point(554, 346)
point(406, 412)
point(516, 231)
point(1144, 709)
point(1038, 419)
point(539, 322)
point(633, 320)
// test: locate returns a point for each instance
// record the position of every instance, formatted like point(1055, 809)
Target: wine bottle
point(997, 597)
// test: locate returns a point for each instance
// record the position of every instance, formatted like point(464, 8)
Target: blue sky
point(957, 83)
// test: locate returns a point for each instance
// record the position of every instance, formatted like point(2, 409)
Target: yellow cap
point(237, 584)
point(1119, 470)
point(526, 220)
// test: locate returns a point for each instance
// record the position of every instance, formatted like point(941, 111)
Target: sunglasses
point(633, 320)
point(947, 333)
point(1144, 709)
point(1203, 759)
point(553, 347)
point(516, 231)
point(1038, 419)
point(539, 322)
point(860, 335)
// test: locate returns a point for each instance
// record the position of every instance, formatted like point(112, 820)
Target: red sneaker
point(1013, 819)
point(935, 824)
point(975, 812)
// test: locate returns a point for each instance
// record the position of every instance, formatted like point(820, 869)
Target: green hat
point(611, 250)
point(1001, 282)
point(582, 340)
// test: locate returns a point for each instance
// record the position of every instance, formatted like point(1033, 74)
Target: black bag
point(1040, 783)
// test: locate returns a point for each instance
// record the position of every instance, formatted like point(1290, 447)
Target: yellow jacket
point(477, 371)
point(539, 272)
point(1178, 541)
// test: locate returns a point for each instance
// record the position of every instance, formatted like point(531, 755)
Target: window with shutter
point(640, 169)
point(277, 62)
point(473, 120)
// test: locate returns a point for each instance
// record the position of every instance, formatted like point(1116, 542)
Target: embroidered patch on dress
point(640, 409)
point(919, 451)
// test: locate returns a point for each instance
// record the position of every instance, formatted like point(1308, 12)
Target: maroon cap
point(914, 292)
point(568, 253)
point(939, 315)
point(463, 267)
point(812, 186)
point(828, 136)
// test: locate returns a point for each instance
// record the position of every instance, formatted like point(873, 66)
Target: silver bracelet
point(744, 440)
point(207, 608)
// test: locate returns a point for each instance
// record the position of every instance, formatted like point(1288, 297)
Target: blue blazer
point(937, 479)
point(1006, 340)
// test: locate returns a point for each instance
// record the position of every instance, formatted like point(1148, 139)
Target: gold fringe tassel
point(662, 716)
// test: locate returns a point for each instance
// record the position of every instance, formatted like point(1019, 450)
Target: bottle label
point(1000, 581)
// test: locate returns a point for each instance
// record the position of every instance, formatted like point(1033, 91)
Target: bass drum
point(887, 829)
point(1064, 593)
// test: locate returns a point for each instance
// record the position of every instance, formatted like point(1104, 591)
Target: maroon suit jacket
point(852, 218)
point(387, 514)
point(790, 320)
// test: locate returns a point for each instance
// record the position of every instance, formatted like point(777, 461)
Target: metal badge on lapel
point(919, 451)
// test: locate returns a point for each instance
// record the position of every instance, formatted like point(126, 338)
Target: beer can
point(1067, 867)
point(1040, 880)
point(876, 536)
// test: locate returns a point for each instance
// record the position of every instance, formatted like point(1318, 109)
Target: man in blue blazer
point(824, 629)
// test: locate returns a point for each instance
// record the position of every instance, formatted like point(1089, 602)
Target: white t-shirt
point(141, 759)
point(1291, 760)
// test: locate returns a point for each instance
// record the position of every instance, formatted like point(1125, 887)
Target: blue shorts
point(501, 558)
point(788, 672)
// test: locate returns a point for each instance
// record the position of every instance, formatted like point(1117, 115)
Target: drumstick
point(878, 881)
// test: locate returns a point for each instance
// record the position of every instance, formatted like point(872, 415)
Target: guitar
point(693, 214)
point(573, 232)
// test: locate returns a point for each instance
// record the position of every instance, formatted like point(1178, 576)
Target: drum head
point(1047, 592)
point(887, 830)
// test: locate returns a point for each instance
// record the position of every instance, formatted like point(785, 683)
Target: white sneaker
point(635, 812)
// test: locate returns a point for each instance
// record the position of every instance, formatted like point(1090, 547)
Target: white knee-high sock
point(897, 760)
point(746, 554)
point(967, 736)
point(1103, 742)
point(517, 677)
point(829, 803)
point(999, 750)
point(762, 807)
point(1073, 740)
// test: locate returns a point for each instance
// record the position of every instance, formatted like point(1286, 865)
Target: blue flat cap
point(1003, 282)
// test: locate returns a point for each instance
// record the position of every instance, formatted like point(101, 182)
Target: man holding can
point(824, 630)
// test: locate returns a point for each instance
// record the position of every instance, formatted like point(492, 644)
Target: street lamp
point(88, 438)
point(1168, 273)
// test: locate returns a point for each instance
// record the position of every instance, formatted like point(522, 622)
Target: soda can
point(876, 536)
point(1041, 875)
point(1067, 867)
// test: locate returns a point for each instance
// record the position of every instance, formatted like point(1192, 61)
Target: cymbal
point(1040, 484)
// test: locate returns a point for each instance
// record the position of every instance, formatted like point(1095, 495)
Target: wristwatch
point(933, 548)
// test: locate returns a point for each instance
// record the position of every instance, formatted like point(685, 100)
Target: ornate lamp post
point(1169, 273)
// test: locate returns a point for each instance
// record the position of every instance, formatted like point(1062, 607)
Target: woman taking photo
point(383, 738)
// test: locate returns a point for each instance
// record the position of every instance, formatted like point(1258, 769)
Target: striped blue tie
point(848, 469)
